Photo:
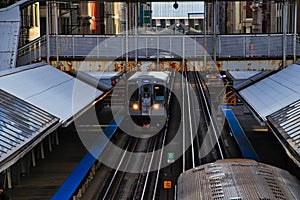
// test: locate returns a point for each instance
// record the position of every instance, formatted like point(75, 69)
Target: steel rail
point(118, 169)
point(148, 171)
point(160, 160)
point(183, 124)
point(190, 121)
point(209, 115)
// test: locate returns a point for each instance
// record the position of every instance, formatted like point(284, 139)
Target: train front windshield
point(159, 93)
point(133, 92)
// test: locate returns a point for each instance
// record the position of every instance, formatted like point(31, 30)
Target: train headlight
point(135, 106)
point(156, 106)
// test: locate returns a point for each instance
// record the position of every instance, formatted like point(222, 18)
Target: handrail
point(32, 45)
point(104, 46)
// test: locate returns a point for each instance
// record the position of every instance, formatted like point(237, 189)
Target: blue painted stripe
point(239, 135)
point(74, 180)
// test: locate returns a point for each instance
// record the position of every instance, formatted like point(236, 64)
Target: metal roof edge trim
point(19, 153)
point(83, 110)
point(23, 68)
point(254, 79)
point(288, 149)
point(18, 3)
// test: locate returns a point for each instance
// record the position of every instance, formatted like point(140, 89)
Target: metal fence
point(153, 46)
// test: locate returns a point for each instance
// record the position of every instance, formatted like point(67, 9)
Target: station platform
point(47, 176)
point(50, 173)
point(245, 146)
point(265, 144)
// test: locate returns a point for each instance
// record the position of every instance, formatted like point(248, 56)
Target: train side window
point(133, 89)
point(159, 93)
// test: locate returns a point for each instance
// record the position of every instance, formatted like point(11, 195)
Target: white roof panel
point(274, 92)
point(243, 74)
point(51, 90)
point(103, 75)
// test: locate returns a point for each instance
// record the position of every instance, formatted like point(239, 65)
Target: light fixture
point(135, 106)
point(175, 5)
point(156, 106)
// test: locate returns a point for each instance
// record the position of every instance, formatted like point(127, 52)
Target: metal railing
point(32, 52)
point(150, 46)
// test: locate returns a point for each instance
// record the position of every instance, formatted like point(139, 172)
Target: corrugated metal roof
point(237, 179)
point(9, 34)
point(21, 124)
point(287, 124)
point(49, 89)
point(274, 92)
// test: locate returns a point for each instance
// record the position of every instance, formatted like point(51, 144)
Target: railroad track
point(122, 183)
point(210, 145)
point(136, 175)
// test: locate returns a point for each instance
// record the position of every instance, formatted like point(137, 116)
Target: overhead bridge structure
point(193, 47)
point(53, 45)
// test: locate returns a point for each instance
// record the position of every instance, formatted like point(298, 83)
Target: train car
point(237, 179)
point(108, 78)
point(148, 95)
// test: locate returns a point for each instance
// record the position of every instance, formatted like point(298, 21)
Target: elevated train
point(237, 179)
point(148, 96)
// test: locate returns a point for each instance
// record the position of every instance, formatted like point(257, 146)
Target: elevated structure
point(143, 47)
point(43, 34)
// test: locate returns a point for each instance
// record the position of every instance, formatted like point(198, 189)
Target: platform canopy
point(276, 101)
point(273, 93)
point(22, 126)
point(243, 79)
point(286, 124)
point(49, 89)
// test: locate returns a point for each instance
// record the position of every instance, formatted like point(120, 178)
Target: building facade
point(187, 14)
point(256, 16)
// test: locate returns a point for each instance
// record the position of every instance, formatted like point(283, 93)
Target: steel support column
point(47, 32)
point(295, 29)
point(56, 33)
point(284, 27)
point(126, 37)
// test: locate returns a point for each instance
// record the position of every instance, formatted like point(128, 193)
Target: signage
point(167, 184)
